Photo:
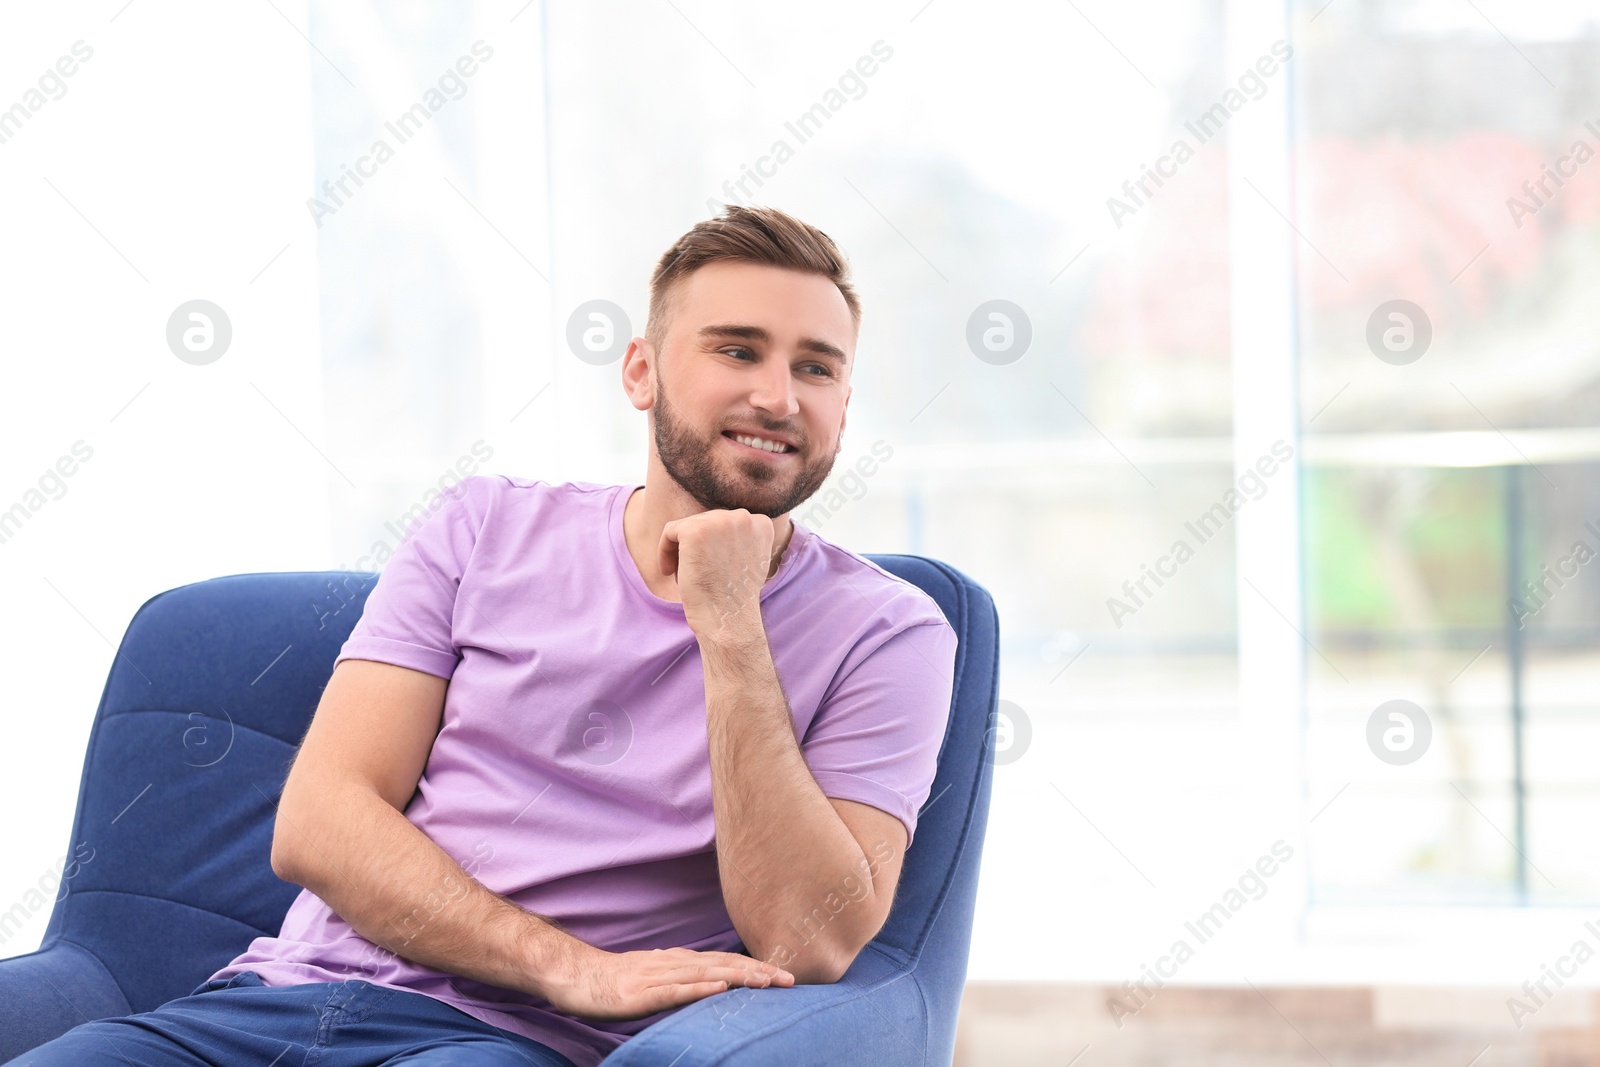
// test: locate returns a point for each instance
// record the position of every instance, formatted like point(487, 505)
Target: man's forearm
point(401, 891)
point(782, 849)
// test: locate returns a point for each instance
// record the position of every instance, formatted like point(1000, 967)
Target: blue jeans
point(242, 1022)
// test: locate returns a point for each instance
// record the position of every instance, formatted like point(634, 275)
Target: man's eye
point(827, 372)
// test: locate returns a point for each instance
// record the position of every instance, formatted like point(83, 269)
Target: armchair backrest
point(932, 917)
point(210, 693)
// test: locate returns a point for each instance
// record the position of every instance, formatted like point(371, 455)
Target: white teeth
point(756, 442)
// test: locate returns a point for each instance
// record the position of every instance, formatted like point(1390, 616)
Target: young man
point(594, 752)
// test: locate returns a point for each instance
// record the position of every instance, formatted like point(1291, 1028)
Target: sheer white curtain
point(171, 165)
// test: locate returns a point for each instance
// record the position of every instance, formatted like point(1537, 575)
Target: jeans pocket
point(364, 998)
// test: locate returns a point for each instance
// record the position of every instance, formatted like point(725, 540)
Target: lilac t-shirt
point(571, 772)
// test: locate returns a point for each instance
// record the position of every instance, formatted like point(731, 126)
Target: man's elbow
point(821, 966)
point(816, 974)
point(825, 959)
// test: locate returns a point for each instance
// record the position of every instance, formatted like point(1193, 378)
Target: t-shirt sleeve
point(409, 616)
point(876, 737)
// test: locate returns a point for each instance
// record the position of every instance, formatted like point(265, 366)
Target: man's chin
point(770, 497)
point(770, 504)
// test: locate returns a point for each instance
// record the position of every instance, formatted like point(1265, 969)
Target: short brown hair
point(762, 235)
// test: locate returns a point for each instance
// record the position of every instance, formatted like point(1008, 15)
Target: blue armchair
point(169, 875)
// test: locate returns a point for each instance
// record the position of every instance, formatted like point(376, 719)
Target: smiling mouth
point(786, 450)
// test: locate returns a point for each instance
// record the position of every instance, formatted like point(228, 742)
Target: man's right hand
point(600, 985)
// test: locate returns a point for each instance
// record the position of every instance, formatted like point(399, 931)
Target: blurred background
point(1244, 351)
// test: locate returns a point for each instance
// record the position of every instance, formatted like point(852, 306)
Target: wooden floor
point(1041, 1025)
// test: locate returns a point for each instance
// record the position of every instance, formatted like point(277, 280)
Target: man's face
point(753, 350)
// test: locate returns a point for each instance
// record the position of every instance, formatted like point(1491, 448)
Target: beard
point(731, 483)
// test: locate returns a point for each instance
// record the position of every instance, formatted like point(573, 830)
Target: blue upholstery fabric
point(211, 691)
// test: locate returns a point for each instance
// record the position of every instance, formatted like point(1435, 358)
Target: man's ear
point(637, 379)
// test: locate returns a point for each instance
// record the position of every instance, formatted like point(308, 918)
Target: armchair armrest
point(874, 1014)
point(44, 994)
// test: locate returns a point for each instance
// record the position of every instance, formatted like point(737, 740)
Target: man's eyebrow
point(746, 332)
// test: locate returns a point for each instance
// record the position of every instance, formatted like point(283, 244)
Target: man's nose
point(774, 390)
